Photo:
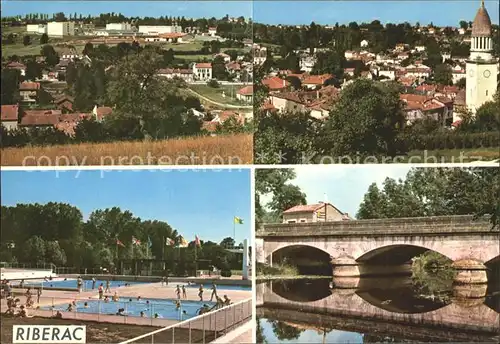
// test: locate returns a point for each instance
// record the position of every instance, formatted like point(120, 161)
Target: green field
point(215, 94)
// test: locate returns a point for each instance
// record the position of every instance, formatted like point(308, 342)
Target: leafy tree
point(464, 25)
point(433, 192)
point(51, 57)
point(88, 49)
point(461, 83)
point(10, 80)
point(219, 71)
point(295, 82)
point(26, 40)
point(287, 197)
point(443, 74)
point(44, 39)
point(227, 242)
point(34, 249)
point(9, 39)
point(54, 253)
point(365, 121)
point(33, 70)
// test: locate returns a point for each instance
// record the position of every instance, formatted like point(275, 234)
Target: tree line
point(57, 233)
point(423, 192)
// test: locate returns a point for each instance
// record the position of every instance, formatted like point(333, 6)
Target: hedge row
point(451, 140)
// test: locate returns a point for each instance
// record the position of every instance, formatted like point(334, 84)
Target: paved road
point(227, 106)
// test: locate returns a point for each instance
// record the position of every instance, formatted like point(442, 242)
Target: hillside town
point(46, 59)
point(372, 89)
point(430, 64)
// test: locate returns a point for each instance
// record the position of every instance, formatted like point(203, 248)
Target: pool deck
point(150, 290)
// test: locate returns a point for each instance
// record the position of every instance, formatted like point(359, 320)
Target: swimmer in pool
point(85, 305)
point(177, 304)
point(70, 308)
point(142, 314)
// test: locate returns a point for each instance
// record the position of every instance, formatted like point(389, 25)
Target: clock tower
point(481, 67)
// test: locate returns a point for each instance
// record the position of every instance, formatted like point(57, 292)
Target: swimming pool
point(208, 287)
point(71, 283)
point(164, 308)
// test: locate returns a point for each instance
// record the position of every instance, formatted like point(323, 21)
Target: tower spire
point(482, 3)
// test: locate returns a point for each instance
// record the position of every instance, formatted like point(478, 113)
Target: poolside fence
point(201, 329)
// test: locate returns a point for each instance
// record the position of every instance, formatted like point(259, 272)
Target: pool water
point(208, 287)
point(71, 283)
point(165, 308)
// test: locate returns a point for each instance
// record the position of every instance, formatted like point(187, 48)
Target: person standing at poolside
point(38, 294)
point(21, 284)
point(107, 286)
point(79, 283)
point(184, 295)
point(214, 292)
point(200, 293)
point(178, 292)
point(101, 291)
point(162, 281)
point(93, 283)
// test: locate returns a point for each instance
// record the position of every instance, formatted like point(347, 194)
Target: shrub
point(226, 273)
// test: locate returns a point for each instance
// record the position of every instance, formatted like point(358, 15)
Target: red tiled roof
point(233, 66)
point(204, 65)
point(304, 208)
point(246, 91)
point(15, 65)
point(29, 86)
point(41, 112)
point(426, 88)
point(103, 111)
point(317, 79)
point(10, 112)
point(275, 83)
point(37, 120)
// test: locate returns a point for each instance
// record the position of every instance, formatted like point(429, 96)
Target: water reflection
point(376, 310)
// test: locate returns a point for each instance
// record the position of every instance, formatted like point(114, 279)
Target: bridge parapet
point(396, 226)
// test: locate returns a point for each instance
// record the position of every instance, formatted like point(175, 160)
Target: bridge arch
point(396, 254)
point(308, 259)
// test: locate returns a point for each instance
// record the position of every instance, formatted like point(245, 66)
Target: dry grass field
point(206, 150)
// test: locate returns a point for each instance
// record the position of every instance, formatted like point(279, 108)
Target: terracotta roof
point(38, 120)
point(481, 27)
point(103, 111)
point(204, 65)
point(10, 113)
point(304, 208)
point(26, 85)
point(233, 66)
point(41, 112)
point(317, 79)
point(15, 65)
point(426, 88)
point(246, 91)
point(275, 83)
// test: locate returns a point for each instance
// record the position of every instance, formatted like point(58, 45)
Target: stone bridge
point(385, 246)
point(348, 306)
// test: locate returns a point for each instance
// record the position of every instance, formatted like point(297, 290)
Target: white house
point(245, 94)
point(212, 31)
point(457, 73)
point(60, 29)
point(202, 71)
point(364, 43)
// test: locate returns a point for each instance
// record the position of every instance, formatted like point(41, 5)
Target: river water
point(368, 310)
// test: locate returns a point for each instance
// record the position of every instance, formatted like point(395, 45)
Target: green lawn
point(215, 94)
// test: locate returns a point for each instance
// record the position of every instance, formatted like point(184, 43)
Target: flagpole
point(234, 230)
point(195, 260)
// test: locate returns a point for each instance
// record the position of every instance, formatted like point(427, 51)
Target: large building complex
point(119, 26)
point(481, 67)
point(153, 30)
point(60, 29)
point(36, 28)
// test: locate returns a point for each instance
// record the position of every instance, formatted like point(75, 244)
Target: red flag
point(197, 241)
point(118, 242)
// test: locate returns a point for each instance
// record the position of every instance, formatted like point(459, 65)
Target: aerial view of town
point(132, 83)
point(376, 82)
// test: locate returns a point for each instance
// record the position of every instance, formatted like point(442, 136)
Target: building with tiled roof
point(275, 83)
point(202, 71)
point(314, 81)
point(422, 106)
point(245, 94)
point(318, 212)
point(9, 116)
point(100, 112)
point(18, 66)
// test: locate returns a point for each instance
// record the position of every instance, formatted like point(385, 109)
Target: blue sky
point(275, 12)
point(201, 202)
point(344, 185)
point(189, 9)
point(329, 12)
